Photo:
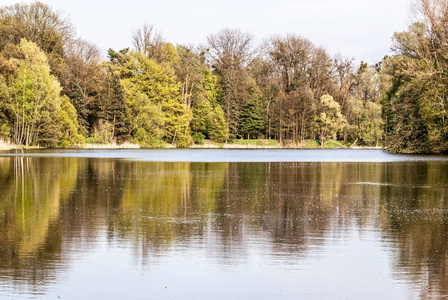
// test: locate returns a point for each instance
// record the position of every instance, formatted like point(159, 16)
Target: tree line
point(56, 90)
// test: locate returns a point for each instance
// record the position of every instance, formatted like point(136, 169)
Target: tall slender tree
point(230, 53)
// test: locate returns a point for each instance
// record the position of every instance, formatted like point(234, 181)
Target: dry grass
point(248, 146)
point(6, 145)
point(109, 146)
point(207, 145)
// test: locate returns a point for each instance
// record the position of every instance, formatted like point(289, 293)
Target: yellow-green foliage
point(366, 121)
point(41, 115)
point(330, 120)
point(208, 117)
point(69, 124)
point(157, 82)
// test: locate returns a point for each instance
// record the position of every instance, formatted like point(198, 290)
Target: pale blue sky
point(356, 28)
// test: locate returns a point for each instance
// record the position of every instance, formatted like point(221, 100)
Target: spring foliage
point(56, 90)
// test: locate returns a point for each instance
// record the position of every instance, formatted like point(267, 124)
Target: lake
point(223, 224)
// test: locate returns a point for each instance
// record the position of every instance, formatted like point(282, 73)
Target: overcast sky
point(356, 28)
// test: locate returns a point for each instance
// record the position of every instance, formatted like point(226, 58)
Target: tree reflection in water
point(52, 209)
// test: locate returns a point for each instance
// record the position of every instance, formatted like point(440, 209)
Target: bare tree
point(83, 79)
point(230, 48)
point(320, 73)
point(84, 50)
point(343, 68)
point(290, 58)
point(148, 40)
point(230, 53)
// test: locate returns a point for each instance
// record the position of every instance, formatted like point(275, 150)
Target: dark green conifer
point(252, 120)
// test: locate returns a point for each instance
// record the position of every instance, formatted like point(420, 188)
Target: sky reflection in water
point(235, 155)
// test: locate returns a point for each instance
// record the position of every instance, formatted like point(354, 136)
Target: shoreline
point(236, 144)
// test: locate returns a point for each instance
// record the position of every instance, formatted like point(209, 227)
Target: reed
point(6, 144)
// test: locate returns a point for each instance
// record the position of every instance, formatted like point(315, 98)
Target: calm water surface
point(223, 224)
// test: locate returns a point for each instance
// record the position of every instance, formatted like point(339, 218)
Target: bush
point(198, 138)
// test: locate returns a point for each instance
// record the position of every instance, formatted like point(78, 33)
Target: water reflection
point(54, 211)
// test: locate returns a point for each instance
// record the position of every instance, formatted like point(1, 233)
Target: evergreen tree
point(84, 82)
point(118, 113)
point(113, 108)
point(79, 101)
point(252, 120)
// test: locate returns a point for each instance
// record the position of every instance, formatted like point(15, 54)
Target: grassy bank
point(268, 144)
